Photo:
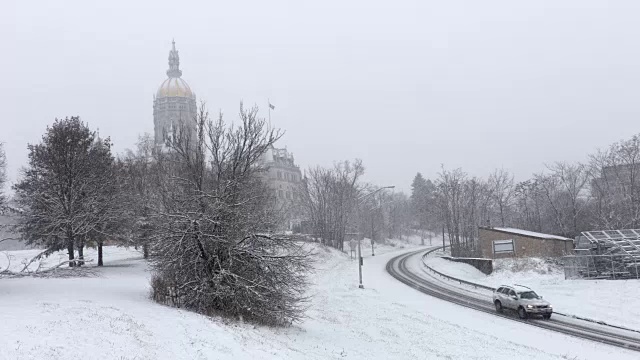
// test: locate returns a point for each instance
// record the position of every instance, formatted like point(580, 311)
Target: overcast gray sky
point(404, 85)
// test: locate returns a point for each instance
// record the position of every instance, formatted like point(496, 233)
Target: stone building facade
point(174, 105)
point(284, 178)
point(498, 243)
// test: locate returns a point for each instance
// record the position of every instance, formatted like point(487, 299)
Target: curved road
point(397, 267)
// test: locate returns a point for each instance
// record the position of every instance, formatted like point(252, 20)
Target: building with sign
point(504, 242)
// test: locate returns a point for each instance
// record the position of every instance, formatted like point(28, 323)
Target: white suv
point(522, 299)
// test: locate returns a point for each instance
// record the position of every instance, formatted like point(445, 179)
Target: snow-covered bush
point(210, 250)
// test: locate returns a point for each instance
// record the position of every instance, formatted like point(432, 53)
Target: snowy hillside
point(110, 316)
point(613, 301)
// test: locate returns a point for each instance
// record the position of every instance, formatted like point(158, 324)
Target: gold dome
point(175, 86)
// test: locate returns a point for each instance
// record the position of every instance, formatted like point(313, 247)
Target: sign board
point(353, 245)
point(503, 246)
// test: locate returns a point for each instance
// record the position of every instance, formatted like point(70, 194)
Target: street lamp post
point(372, 251)
point(372, 235)
point(360, 264)
point(360, 201)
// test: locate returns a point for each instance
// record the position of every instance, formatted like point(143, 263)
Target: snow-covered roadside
point(612, 301)
point(111, 317)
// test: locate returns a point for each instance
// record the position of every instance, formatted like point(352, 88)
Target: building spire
point(174, 62)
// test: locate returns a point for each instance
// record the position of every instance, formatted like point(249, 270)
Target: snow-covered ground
point(615, 302)
point(110, 316)
point(16, 260)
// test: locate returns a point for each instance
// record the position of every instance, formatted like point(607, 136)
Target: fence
point(587, 266)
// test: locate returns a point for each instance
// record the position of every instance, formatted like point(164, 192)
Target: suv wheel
point(522, 313)
point(546, 316)
point(499, 306)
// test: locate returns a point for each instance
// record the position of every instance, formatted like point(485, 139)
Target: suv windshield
point(528, 295)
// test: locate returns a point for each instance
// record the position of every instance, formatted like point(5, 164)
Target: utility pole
point(372, 253)
point(442, 238)
point(360, 263)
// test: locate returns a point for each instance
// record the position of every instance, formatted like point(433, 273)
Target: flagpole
point(269, 107)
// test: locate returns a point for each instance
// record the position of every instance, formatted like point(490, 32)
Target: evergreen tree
point(419, 200)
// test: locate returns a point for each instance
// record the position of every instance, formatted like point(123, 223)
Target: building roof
point(174, 86)
point(527, 233)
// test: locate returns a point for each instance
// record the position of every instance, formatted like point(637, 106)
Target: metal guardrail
point(448, 277)
point(451, 277)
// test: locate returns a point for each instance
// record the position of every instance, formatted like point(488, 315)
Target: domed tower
point(174, 105)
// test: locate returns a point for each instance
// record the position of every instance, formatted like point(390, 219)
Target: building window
point(503, 246)
point(279, 175)
point(288, 195)
point(280, 194)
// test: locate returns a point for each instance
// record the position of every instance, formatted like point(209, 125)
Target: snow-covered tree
point(423, 203)
point(330, 200)
point(107, 200)
point(3, 174)
point(397, 210)
point(616, 185)
point(139, 172)
point(61, 191)
point(210, 251)
point(502, 187)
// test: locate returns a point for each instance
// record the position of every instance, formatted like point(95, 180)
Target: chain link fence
point(613, 266)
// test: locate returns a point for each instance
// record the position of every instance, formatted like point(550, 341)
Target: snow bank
point(613, 301)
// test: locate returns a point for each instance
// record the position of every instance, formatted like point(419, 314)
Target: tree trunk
point(71, 255)
point(81, 253)
point(100, 253)
point(145, 250)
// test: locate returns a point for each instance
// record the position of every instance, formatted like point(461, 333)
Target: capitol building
point(174, 108)
point(174, 104)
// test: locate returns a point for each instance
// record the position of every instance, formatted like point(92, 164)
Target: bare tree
point(108, 206)
point(329, 197)
point(210, 249)
point(139, 172)
point(566, 199)
point(3, 174)
point(501, 183)
point(565, 190)
point(616, 185)
point(530, 205)
point(450, 202)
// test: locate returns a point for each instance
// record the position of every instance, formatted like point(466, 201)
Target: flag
point(272, 107)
